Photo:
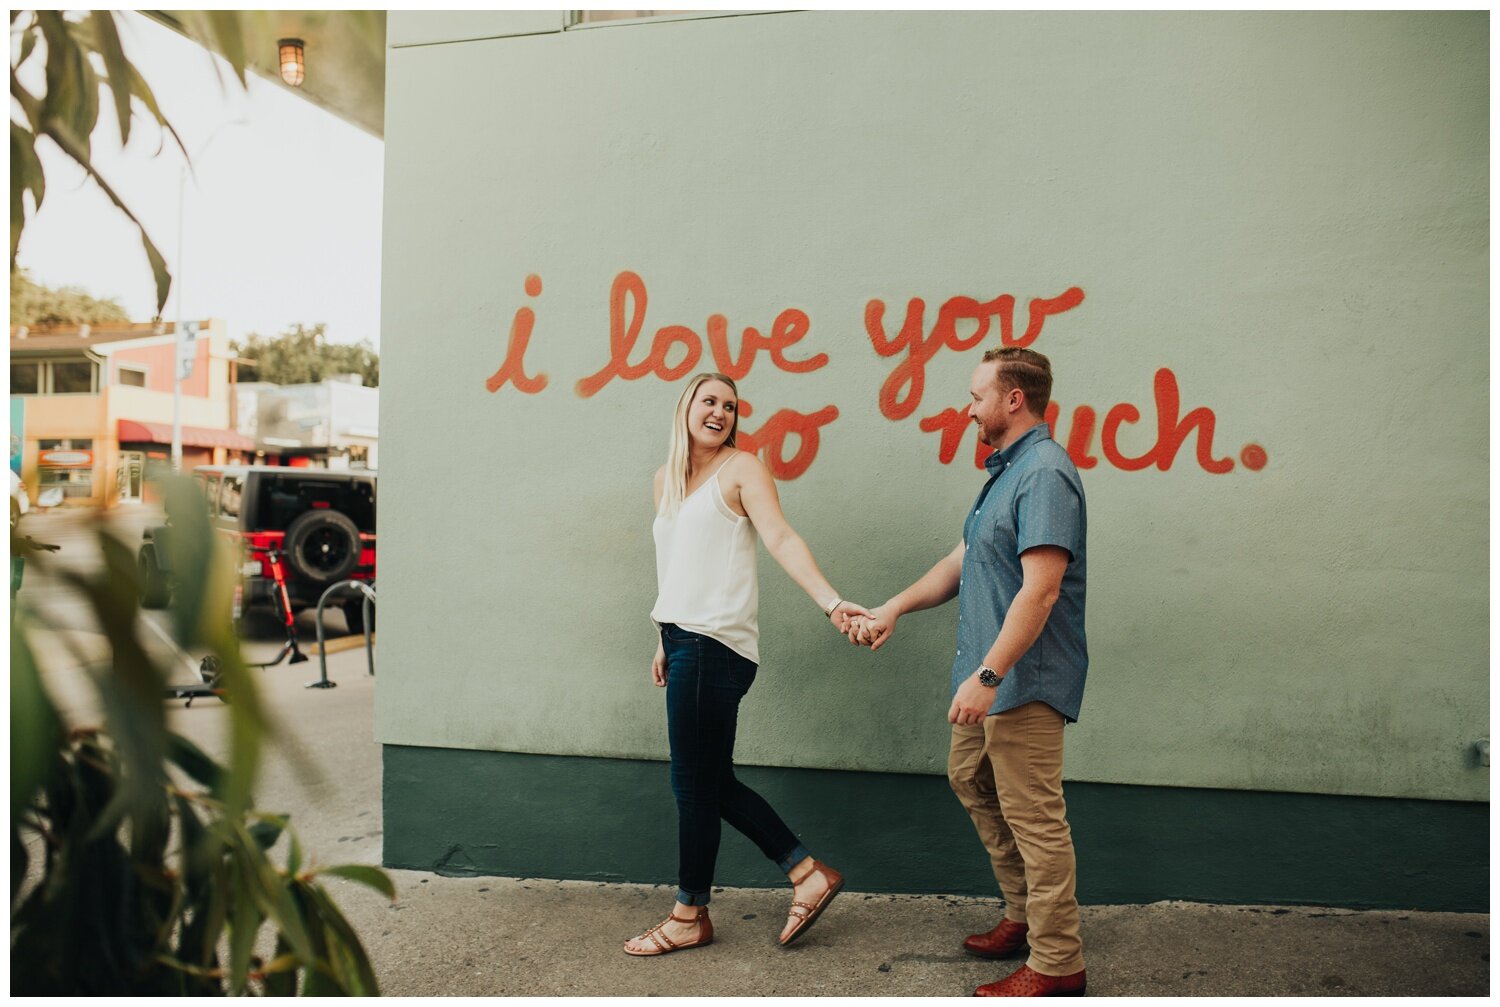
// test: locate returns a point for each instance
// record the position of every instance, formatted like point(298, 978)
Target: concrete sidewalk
point(508, 936)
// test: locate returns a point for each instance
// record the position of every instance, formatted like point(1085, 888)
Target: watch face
point(988, 677)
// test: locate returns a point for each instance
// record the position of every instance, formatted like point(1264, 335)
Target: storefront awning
point(137, 431)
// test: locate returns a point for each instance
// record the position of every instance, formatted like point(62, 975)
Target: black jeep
point(318, 525)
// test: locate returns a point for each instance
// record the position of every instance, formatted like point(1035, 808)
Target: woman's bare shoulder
point(745, 466)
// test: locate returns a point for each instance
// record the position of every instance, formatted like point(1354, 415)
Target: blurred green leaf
point(217, 913)
point(248, 722)
point(244, 923)
point(78, 151)
point(294, 857)
point(116, 66)
point(34, 726)
point(225, 25)
point(266, 831)
point(25, 175)
point(271, 892)
point(281, 972)
point(193, 761)
point(68, 99)
point(31, 105)
point(140, 89)
point(370, 877)
point(130, 687)
point(288, 919)
point(320, 979)
point(28, 39)
point(344, 948)
point(86, 116)
point(190, 557)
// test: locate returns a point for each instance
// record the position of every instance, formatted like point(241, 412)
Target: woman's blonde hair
point(675, 489)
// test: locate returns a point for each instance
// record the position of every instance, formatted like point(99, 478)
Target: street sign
point(187, 350)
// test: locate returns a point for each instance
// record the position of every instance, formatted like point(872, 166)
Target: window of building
point(25, 379)
point(75, 480)
point(133, 375)
point(57, 377)
point(73, 377)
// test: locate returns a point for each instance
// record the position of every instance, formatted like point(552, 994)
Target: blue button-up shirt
point(1033, 497)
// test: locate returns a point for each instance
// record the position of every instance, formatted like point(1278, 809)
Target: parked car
point(317, 523)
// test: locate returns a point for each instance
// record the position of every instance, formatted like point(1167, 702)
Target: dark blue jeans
point(705, 683)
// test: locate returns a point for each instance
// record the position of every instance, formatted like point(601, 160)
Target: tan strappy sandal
point(665, 945)
point(807, 913)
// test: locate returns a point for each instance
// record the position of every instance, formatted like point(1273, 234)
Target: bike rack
point(367, 589)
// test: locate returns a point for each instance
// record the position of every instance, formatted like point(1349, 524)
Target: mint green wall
point(1287, 211)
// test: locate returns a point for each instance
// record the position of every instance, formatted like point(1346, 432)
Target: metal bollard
point(367, 588)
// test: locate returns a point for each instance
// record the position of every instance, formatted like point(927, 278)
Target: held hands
point(872, 629)
point(844, 613)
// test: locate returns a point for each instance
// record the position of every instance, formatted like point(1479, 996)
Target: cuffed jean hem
point(693, 899)
point(798, 854)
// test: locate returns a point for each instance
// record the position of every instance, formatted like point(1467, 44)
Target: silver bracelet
point(828, 612)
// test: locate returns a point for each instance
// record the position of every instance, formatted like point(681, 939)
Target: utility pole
point(177, 374)
point(186, 351)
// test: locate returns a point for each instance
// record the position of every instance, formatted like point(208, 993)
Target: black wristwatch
point(988, 677)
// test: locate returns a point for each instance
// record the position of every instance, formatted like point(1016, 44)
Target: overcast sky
point(281, 225)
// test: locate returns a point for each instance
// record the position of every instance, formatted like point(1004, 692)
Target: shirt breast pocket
point(993, 537)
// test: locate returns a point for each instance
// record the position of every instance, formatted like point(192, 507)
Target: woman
point(711, 501)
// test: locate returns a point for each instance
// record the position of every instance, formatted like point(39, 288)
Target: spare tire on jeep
point(322, 546)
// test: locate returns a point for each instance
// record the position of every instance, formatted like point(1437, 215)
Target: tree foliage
point(303, 355)
point(85, 75)
point(83, 57)
point(31, 303)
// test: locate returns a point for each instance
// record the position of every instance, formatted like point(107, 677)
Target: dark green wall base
point(466, 812)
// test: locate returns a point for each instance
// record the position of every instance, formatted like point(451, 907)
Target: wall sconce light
point(292, 65)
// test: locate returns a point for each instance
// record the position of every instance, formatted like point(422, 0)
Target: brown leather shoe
point(1023, 982)
point(1001, 942)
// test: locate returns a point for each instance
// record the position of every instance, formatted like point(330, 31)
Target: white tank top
point(705, 570)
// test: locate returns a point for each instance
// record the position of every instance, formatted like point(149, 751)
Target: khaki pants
point(1007, 773)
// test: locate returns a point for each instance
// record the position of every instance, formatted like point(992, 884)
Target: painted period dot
point(1253, 457)
point(533, 285)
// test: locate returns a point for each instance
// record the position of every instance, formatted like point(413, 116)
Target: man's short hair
point(1027, 370)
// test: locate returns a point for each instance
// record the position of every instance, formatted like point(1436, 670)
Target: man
point(1019, 670)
